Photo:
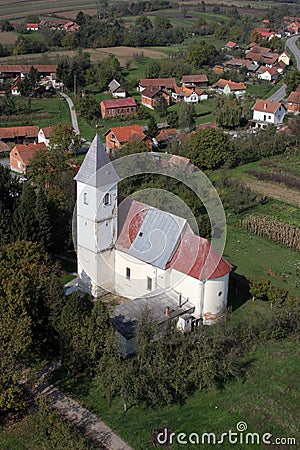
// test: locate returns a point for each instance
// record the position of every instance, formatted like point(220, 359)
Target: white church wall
point(215, 298)
point(189, 287)
point(96, 270)
point(134, 283)
point(91, 201)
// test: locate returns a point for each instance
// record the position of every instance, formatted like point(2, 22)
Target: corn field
point(270, 228)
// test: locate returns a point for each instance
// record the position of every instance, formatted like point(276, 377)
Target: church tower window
point(127, 273)
point(106, 200)
point(85, 199)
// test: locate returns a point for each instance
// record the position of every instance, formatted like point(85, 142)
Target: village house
point(12, 71)
point(162, 83)
point(15, 88)
point(44, 135)
point(267, 73)
point(194, 81)
point(262, 55)
point(118, 136)
point(293, 27)
point(231, 45)
point(19, 135)
point(264, 33)
point(293, 102)
point(228, 87)
point(284, 57)
point(183, 276)
point(116, 90)
point(189, 95)
point(151, 94)
point(71, 27)
point(32, 26)
point(266, 112)
point(20, 156)
point(118, 107)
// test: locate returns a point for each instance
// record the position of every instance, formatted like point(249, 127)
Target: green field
point(44, 112)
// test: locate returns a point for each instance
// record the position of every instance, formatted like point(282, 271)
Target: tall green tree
point(228, 111)
point(186, 115)
point(24, 217)
point(44, 228)
point(210, 149)
point(161, 106)
point(152, 130)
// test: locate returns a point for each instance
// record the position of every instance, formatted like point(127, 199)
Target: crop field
point(8, 37)
point(123, 54)
point(69, 8)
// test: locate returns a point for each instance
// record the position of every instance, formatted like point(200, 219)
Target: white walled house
point(266, 112)
point(44, 135)
point(178, 275)
point(267, 73)
point(189, 95)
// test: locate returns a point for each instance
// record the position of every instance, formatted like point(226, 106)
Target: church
point(147, 255)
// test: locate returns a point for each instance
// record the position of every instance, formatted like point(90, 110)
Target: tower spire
point(92, 171)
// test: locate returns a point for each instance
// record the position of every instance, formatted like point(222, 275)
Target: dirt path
point(93, 428)
point(273, 190)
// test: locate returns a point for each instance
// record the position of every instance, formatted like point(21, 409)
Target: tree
point(84, 329)
point(28, 280)
point(133, 146)
point(161, 106)
point(172, 119)
point(210, 149)
point(89, 107)
point(24, 217)
point(201, 54)
point(5, 25)
point(152, 130)
point(186, 115)
point(228, 111)
point(44, 228)
point(292, 79)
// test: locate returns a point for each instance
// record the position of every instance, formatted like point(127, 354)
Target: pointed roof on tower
point(97, 169)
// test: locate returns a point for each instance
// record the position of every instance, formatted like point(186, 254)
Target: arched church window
point(106, 200)
point(85, 199)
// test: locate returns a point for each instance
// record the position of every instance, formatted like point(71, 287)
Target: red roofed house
point(118, 136)
point(266, 112)
point(293, 27)
point(151, 94)
point(162, 83)
point(44, 135)
point(32, 26)
point(21, 155)
point(293, 102)
point(118, 107)
point(194, 81)
point(180, 276)
point(71, 26)
point(189, 95)
point(19, 135)
point(267, 73)
point(228, 87)
point(231, 45)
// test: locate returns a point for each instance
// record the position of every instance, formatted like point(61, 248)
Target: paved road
point(291, 45)
point(279, 94)
point(72, 111)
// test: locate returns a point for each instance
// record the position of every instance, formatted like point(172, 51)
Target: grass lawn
point(44, 112)
point(267, 400)
point(263, 90)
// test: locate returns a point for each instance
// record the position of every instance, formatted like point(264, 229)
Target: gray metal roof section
point(157, 238)
point(97, 169)
point(126, 316)
point(113, 85)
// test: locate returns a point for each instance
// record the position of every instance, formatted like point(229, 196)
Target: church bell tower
point(97, 191)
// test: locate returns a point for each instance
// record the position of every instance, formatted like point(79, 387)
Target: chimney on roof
point(167, 310)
